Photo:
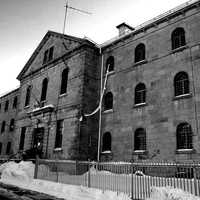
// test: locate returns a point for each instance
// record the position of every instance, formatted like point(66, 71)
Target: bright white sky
point(23, 23)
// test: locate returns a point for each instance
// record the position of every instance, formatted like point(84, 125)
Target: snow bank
point(168, 193)
point(12, 171)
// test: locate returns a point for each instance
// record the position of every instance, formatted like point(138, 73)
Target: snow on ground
point(168, 193)
point(21, 175)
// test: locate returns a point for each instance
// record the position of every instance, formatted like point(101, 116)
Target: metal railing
point(134, 179)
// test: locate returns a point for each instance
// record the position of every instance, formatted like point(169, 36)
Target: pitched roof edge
point(9, 92)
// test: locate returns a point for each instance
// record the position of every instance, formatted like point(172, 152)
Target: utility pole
point(72, 8)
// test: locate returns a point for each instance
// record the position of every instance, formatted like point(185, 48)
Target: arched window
point(22, 138)
point(12, 124)
point(140, 139)
point(184, 136)
point(15, 103)
point(178, 38)
point(0, 147)
point(110, 64)
point(64, 81)
point(108, 101)
point(6, 106)
point(140, 93)
point(44, 89)
point(181, 84)
point(28, 95)
point(3, 126)
point(106, 142)
point(140, 52)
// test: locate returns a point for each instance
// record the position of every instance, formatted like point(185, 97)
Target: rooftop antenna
point(72, 8)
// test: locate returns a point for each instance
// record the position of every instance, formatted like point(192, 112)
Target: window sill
point(179, 49)
point(183, 96)
point(140, 105)
point(111, 72)
point(185, 151)
point(139, 152)
point(63, 95)
point(106, 152)
point(58, 150)
point(108, 111)
point(140, 62)
point(26, 107)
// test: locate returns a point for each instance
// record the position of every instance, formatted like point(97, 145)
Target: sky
point(23, 24)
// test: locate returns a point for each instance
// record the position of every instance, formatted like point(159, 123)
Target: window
point(0, 147)
point(12, 124)
point(106, 142)
point(3, 126)
point(178, 38)
point(8, 148)
point(28, 95)
point(140, 93)
point(22, 138)
point(181, 84)
point(184, 136)
point(6, 106)
point(15, 103)
point(0, 107)
point(140, 139)
point(110, 64)
point(64, 81)
point(48, 55)
point(108, 101)
point(139, 52)
point(44, 89)
point(59, 133)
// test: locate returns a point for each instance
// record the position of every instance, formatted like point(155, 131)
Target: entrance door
point(38, 137)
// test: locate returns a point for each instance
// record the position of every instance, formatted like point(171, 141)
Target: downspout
point(100, 108)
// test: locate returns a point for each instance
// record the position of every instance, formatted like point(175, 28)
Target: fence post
point(195, 181)
point(131, 179)
point(36, 167)
point(88, 173)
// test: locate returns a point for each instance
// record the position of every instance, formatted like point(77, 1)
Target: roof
point(159, 19)
point(44, 39)
point(8, 92)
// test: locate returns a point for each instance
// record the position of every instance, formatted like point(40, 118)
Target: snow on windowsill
point(57, 149)
point(106, 152)
point(183, 96)
point(140, 104)
point(44, 107)
point(108, 111)
point(184, 151)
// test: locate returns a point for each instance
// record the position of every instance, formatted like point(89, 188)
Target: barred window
point(178, 38)
point(140, 139)
point(44, 89)
point(184, 136)
point(108, 101)
point(3, 126)
point(181, 84)
point(6, 106)
point(140, 52)
point(59, 133)
point(15, 103)
point(106, 142)
point(8, 148)
point(140, 93)
point(110, 64)
point(28, 95)
point(0, 148)
point(12, 125)
point(64, 81)
point(22, 138)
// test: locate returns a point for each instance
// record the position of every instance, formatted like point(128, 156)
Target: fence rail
point(134, 179)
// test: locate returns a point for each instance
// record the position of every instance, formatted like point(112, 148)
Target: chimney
point(124, 28)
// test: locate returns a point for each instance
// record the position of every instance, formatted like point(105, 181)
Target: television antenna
point(72, 8)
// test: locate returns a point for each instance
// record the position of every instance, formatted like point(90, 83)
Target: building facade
point(151, 102)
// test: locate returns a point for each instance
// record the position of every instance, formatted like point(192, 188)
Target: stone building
point(151, 102)
point(8, 113)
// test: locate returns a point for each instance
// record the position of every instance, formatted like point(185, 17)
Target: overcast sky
point(23, 23)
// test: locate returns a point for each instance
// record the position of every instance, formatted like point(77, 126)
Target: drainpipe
point(100, 109)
